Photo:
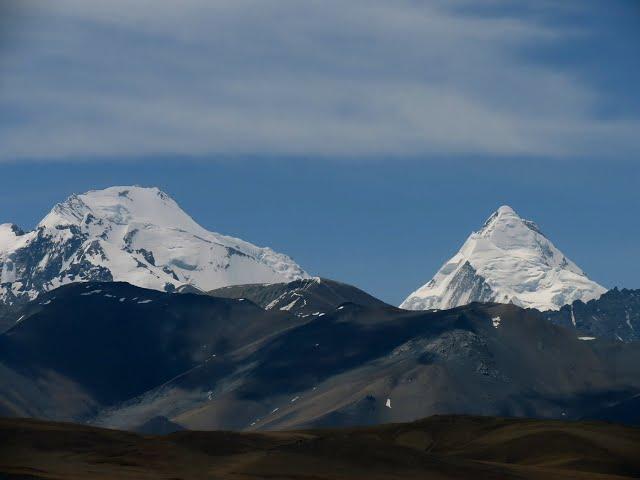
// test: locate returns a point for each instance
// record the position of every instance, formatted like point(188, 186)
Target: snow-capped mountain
point(508, 260)
point(132, 234)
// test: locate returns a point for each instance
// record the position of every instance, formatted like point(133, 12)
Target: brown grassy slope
point(441, 447)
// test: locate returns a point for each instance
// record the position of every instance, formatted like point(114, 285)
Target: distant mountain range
point(141, 236)
point(119, 310)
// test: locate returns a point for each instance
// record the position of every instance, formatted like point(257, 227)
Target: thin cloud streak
point(141, 78)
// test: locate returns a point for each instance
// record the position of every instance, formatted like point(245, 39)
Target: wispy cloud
point(327, 78)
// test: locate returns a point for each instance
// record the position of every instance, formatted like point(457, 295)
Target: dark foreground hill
point(86, 346)
point(120, 356)
point(441, 447)
point(363, 366)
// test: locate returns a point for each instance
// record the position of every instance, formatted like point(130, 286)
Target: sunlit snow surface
point(509, 260)
point(133, 234)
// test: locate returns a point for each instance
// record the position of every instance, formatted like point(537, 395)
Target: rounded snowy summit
point(132, 234)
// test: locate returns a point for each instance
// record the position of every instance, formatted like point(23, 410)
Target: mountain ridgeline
point(304, 298)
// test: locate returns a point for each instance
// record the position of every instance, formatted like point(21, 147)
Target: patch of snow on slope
point(289, 306)
point(628, 320)
point(92, 292)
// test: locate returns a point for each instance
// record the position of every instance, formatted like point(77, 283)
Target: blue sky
point(364, 139)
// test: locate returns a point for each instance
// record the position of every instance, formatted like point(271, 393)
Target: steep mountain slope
point(615, 316)
point(307, 297)
point(437, 448)
point(508, 260)
point(86, 346)
point(133, 234)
